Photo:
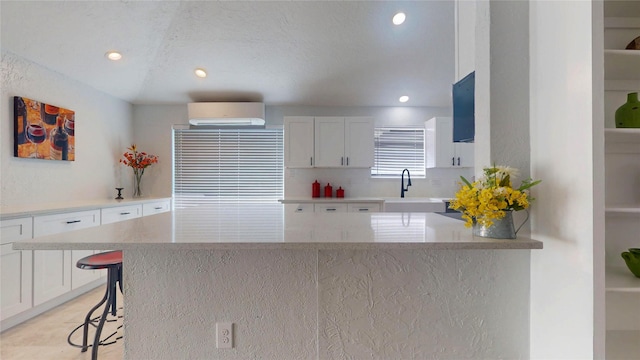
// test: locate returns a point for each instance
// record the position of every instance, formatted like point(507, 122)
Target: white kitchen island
point(314, 285)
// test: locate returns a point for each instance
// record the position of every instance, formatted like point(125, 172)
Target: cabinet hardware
point(363, 209)
point(311, 161)
point(73, 221)
point(347, 161)
point(458, 161)
point(125, 213)
point(331, 209)
point(158, 207)
point(453, 161)
point(342, 160)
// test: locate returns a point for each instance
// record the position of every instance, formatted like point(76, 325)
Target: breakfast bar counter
point(314, 285)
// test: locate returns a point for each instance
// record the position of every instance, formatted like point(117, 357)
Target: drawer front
point(120, 213)
point(330, 208)
point(363, 207)
point(15, 230)
point(156, 207)
point(299, 208)
point(59, 223)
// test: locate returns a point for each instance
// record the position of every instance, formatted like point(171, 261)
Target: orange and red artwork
point(43, 131)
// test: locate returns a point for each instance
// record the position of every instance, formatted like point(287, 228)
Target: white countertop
point(268, 226)
point(20, 210)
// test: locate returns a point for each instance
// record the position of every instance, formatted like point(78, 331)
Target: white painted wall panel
point(103, 132)
point(400, 304)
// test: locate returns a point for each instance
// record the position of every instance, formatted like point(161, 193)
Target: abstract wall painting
point(42, 131)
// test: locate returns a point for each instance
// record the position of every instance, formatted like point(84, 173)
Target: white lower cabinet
point(52, 269)
point(80, 277)
point(15, 268)
point(51, 274)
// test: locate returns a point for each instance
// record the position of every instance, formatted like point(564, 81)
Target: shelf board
point(622, 344)
point(621, 64)
point(622, 22)
point(622, 135)
point(620, 279)
point(623, 209)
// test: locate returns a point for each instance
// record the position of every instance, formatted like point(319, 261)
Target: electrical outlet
point(224, 335)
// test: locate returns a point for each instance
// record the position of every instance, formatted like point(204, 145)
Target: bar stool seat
point(112, 261)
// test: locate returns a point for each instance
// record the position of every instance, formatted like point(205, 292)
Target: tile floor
point(45, 336)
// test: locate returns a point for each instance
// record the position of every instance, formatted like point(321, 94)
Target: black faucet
point(402, 187)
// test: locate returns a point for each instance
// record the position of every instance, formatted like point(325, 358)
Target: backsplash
point(359, 183)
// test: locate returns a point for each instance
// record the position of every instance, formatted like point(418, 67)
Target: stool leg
point(87, 320)
point(112, 277)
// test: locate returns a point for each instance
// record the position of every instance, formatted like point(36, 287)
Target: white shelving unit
point(622, 198)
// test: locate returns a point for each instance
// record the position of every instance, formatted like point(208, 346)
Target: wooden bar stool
point(112, 261)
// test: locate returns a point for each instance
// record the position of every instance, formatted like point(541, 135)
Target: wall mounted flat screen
point(464, 109)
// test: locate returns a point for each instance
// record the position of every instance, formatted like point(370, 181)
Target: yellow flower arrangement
point(487, 198)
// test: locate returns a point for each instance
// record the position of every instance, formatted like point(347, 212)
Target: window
point(397, 149)
point(239, 165)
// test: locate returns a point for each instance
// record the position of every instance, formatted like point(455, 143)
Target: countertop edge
point(57, 208)
point(490, 244)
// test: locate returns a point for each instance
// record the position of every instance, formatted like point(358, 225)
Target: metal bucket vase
point(501, 229)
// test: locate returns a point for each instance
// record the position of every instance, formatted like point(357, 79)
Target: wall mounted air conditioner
point(226, 114)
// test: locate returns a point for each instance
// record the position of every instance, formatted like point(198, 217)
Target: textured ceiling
point(322, 53)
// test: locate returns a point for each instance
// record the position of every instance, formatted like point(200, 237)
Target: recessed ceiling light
point(399, 18)
point(200, 73)
point(113, 55)
point(403, 99)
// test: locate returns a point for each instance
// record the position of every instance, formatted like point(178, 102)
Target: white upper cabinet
point(329, 139)
point(298, 141)
point(359, 142)
point(440, 150)
point(331, 142)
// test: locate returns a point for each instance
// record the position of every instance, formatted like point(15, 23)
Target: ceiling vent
point(222, 114)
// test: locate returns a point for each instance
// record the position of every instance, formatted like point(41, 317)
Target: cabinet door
point(51, 274)
point(156, 207)
point(15, 275)
point(81, 277)
point(464, 154)
point(329, 142)
point(439, 147)
point(330, 208)
point(298, 141)
point(120, 213)
point(359, 141)
point(15, 267)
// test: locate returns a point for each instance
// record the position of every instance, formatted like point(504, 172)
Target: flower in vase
point(138, 161)
point(487, 198)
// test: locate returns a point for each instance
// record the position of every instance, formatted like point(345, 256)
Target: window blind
point(397, 149)
point(238, 165)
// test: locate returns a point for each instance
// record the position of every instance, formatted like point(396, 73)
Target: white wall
point(103, 132)
point(566, 152)
point(152, 131)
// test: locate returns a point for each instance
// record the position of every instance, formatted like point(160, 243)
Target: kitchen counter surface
point(268, 226)
point(14, 211)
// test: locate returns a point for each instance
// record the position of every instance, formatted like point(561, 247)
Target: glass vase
point(137, 180)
